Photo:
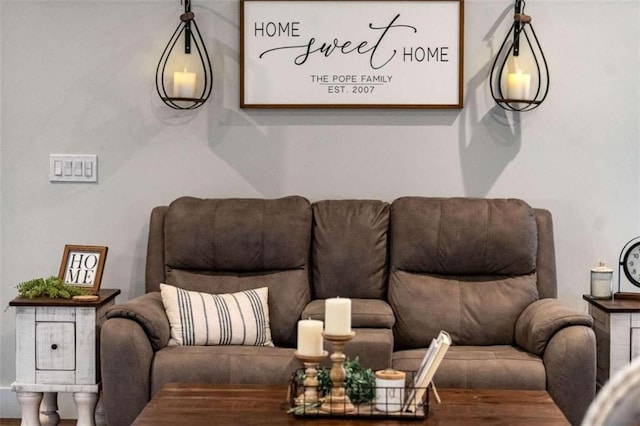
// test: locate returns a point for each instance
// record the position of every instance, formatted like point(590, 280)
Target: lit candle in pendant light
point(184, 84)
point(518, 85)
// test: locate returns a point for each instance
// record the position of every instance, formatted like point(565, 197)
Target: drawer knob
point(54, 346)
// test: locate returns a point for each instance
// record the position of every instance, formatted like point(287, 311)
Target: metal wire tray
point(301, 408)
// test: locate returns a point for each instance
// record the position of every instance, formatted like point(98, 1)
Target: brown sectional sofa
point(481, 269)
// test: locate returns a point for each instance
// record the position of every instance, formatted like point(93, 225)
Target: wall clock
point(629, 266)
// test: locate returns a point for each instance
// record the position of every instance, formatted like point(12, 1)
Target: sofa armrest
point(539, 321)
point(148, 311)
point(570, 363)
point(126, 356)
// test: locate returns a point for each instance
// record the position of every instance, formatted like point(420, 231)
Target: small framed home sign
point(82, 266)
point(351, 53)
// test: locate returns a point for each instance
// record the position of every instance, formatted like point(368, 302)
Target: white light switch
point(77, 167)
point(57, 167)
point(73, 168)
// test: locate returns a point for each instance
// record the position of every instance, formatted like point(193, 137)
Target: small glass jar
point(601, 282)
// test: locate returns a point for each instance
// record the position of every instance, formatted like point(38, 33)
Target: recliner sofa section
point(483, 270)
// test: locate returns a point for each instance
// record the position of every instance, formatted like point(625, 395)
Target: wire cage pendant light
point(513, 85)
point(187, 91)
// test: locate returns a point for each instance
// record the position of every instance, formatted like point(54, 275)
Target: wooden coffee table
point(206, 404)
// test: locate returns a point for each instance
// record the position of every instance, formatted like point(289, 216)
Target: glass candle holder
point(601, 282)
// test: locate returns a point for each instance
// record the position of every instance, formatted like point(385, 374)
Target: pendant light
point(178, 86)
point(519, 77)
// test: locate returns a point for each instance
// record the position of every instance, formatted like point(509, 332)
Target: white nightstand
point(57, 351)
point(617, 327)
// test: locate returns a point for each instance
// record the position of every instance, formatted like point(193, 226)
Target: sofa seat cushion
point(224, 365)
point(372, 313)
point(240, 318)
point(497, 367)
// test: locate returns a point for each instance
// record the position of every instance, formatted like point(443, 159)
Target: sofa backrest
point(349, 252)
point(228, 245)
point(467, 266)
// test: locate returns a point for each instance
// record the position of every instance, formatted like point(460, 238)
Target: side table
point(57, 351)
point(617, 328)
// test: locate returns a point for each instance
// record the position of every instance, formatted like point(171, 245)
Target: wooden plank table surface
point(206, 404)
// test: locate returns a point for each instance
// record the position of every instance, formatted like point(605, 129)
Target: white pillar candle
point(518, 86)
point(310, 337)
point(184, 84)
point(337, 316)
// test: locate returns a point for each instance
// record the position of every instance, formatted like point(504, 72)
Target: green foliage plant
point(360, 383)
point(52, 287)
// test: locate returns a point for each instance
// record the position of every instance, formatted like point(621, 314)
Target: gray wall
point(77, 77)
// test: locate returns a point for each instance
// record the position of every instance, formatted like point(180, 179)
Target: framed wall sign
point(351, 53)
point(82, 266)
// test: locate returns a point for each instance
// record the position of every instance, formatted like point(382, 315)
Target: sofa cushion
point(230, 245)
point(473, 310)
point(463, 265)
point(372, 313)
point(197, 319)
point(223, 365)
point(349, 249)
point(497, 367)
point(237, 234)
point(463, 236)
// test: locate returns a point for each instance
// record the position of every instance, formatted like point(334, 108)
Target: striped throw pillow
point(217, 319)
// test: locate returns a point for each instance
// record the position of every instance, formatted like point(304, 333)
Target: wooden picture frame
point(82, 266)
point(351, 53)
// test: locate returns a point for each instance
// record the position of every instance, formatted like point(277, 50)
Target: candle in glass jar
point(310, 337)
point(184, 84)
point(337, 316)
point(601, 280)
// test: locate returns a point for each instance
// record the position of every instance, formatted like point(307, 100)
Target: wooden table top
point(623, 303)
point(206, 404)
point(105, 295)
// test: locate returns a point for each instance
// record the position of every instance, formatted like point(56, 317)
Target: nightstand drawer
point(55, 346)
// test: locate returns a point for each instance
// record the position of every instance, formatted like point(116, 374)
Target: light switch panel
point(73, 168)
